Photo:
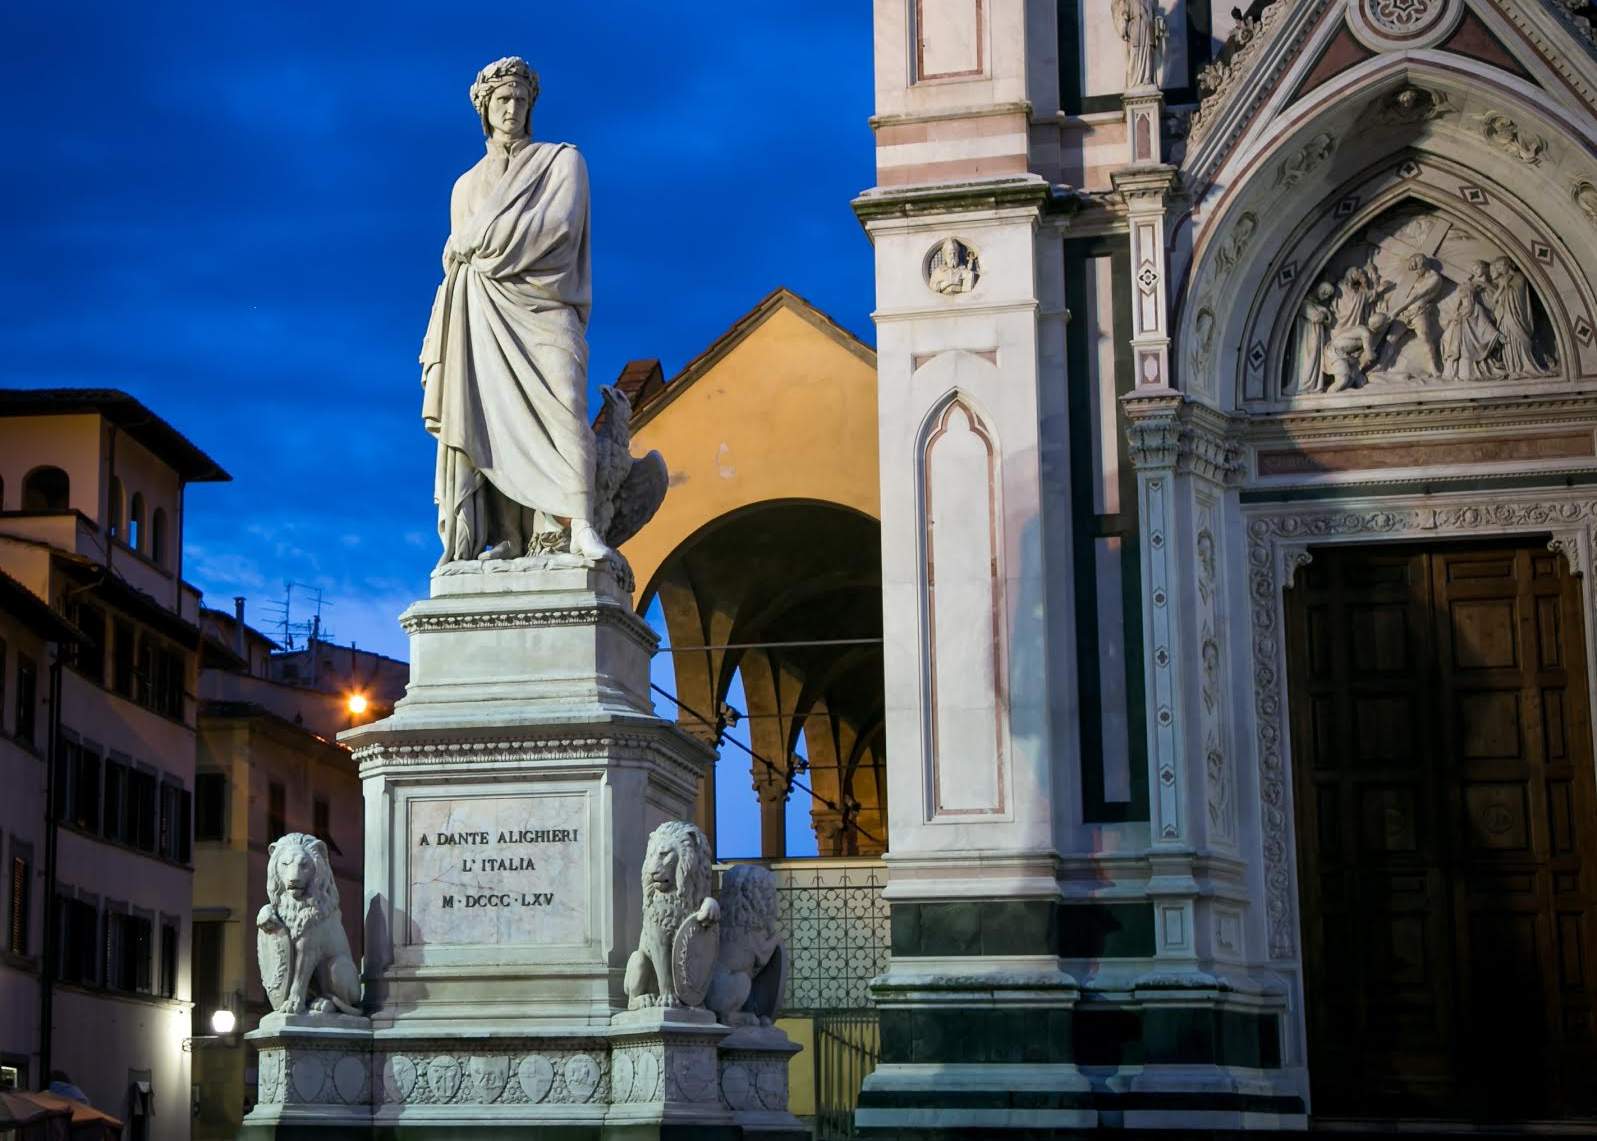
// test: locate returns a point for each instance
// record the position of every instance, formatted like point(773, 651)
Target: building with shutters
point(92, 487)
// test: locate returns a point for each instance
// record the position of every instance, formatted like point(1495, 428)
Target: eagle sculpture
point(627, 491)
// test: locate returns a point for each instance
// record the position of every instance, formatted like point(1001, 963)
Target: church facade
point(1237, 388)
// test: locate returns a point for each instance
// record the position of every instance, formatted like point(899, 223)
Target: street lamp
point(222, 1022)
point(357, 704)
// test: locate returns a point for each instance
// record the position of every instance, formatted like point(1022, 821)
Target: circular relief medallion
point(771, 1082)
point(695, 1075)
point(1389, 24)
point(621, 1076)
point(349, 1079)
point(535, 1075)
point(487, 1076)
point(443, 1078)
point(736, 1087)
point(308, 1075)
point(952, 267)
point(399, 1077)
point(582, 1076)
point(646, 1071)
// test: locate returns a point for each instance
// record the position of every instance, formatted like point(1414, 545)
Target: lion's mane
point(322, 902)
point(692, 874)
point(748, 899)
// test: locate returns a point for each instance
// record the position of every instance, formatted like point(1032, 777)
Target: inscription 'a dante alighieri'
point(499, 870)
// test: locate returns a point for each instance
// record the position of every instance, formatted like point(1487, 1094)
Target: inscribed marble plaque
point(499, 870)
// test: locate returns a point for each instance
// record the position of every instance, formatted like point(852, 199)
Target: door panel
point(1443, 773)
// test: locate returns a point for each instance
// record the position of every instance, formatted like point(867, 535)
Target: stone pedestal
point(664, 1072)
point(509, 799)
point(509, 802)
point(754, 1083)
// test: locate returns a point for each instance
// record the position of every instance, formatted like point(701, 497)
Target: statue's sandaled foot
point(504, 550)
point(585, 542)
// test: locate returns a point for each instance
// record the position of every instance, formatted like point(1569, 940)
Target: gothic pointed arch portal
point(1385, 298)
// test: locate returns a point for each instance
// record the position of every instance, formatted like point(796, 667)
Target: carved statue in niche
point(1417, 299)
point(1142, 27)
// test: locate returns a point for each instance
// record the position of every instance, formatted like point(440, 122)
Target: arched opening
point(46, 489)
point(113, 508)
point(783, 599)
point(136, 522)
point(158, 537)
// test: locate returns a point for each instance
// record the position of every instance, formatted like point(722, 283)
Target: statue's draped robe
point(507, 399)
point(1313, 335)
point(1470, 338)
point(1515, 323)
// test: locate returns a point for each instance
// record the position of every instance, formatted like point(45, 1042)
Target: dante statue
point(505, 359)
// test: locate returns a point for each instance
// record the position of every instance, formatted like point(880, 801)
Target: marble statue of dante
point(504, 361)
point(1142, 28)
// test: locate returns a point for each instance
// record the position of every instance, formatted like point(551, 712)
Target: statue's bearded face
point(508, 106)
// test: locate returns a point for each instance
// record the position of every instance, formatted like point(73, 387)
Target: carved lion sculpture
point(751, 970)
point(304, 953)
point(676, 951)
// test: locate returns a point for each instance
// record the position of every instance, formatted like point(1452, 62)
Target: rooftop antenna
point(295, 632)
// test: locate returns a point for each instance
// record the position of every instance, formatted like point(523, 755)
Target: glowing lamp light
point(222, 1022)
point(357, 704)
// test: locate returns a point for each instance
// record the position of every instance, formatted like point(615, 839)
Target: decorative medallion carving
point(1304, 161)
point(1506, 135)
point(535, 1075)
point(1407, 106)
point(1394, 25)
point(1585, 195)
point(952, 267)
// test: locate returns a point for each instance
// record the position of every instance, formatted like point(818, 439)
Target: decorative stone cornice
point(1022, 192)
point(533, 617)
point(1145, 185)
point(1170, 432)
point(601, 748)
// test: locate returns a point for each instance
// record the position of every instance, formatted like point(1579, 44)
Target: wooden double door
point(1447, 833)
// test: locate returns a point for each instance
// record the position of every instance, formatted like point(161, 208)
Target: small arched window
point(46, 489)
point(158, 536)
point(136, 522)
point(113, 509)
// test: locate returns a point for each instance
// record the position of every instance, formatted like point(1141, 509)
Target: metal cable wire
point(785, 773)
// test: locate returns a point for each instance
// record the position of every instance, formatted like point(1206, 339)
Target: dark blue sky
point(237, 216)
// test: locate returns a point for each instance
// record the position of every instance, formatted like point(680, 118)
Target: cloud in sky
point(237, 215)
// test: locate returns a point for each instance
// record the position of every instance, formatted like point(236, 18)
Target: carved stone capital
point(1170, 432)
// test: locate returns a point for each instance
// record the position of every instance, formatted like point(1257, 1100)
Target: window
point(20, 899)
point(205, 985)
point(115, 815)
point(143, 810)
point(76, 921)
point(122, 659)
point(144, 676)
point(210, 806)
point(46, 489)
point(322, 826)
point(86, 790)
point(113, 508)
point(90, 658)
point(3, 661)
point(13, 1072)
point(169, 671)
point(177, 807)
point(276, 811)
point(27, 699)
point(158, 537)
point(136, 534)
point(127, 951)
point(66, 771)
point(168, 959)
